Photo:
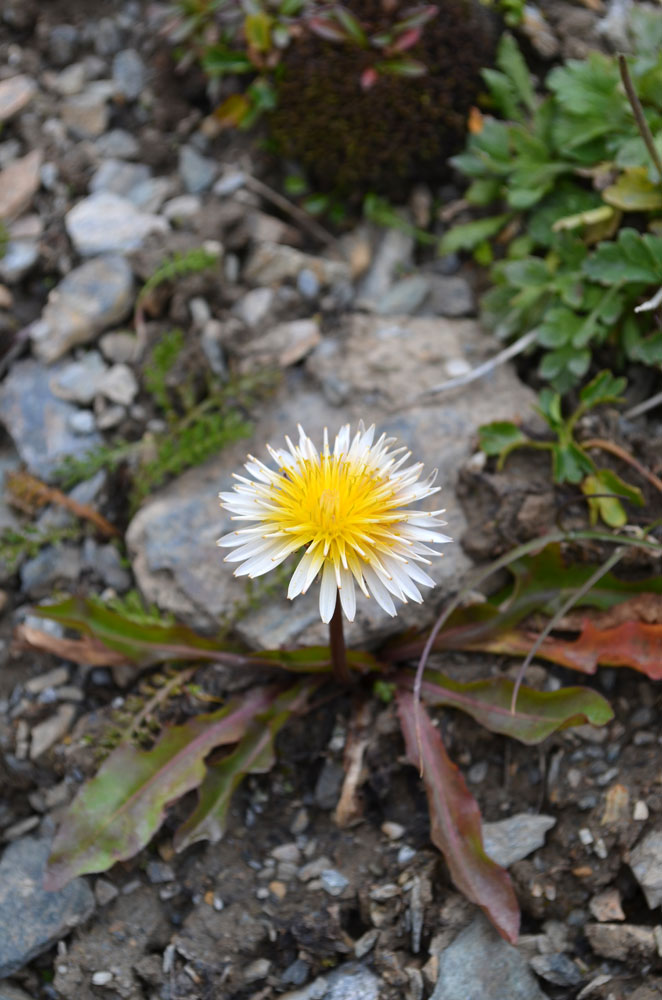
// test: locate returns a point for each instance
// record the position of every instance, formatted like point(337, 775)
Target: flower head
point(348, 508)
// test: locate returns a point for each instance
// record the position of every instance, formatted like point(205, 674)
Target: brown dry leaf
point(645, 608)
point(87, 651)
point(28, 494)
point(350, 806)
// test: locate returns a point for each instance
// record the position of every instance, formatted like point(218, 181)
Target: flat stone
point(646, 865)
point(624, 942)
point(18, 185)
point(86, 115)
point(37, 421)
point(393, 254)
point(403, 297)
point(69, 82)
point(273, 263)
point(448, 296)
point(480, 965)
point(351, 981)
point(333, 882)
point(283, 345)
point(8, 991)
point(196, 171)
point(385, 365)
point(120, 346)
point(254, 307)
point(15, 95)
point(118, 177)
point(607, 906)
point(119, 385)
point(54, 567)
point(128, 74)
point(509, 840)
point(91, 298)
point(107, 223)
point(19, 258)
point(184, 206)
point(49, 732)
point(78, 381)
point(150, 194)
point(31, 919)
point(118, 143)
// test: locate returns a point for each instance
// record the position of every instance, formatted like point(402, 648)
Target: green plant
point(571, 462)
point(178, 265)
point(17, 545)
point(575, 184)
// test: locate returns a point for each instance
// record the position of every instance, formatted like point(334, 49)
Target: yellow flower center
point(343, 506)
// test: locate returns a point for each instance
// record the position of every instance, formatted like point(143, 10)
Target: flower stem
point(337, 642)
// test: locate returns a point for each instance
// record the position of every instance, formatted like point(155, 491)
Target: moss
point(400, 131)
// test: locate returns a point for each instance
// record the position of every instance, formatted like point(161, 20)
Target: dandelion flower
point(348, 508)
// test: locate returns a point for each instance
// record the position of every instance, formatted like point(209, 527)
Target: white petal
point(328, 593)
point(379, 591)
point(347, 594)
point(416, 573)
point(298, 578)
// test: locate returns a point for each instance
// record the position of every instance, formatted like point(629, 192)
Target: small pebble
point(102, 978)
point(640, 810)
point(333, 882)
point(394, 831)
point(406, 854)
point(585, 836)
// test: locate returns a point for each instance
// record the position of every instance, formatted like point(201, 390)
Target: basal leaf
point(634, 192)
point(633, 257)
point(254, 754)
point(604, 388)
point(116, 813)
point(455, 822)
point(570, 463)
point(512, 63)
point(602, 503)
point(500, 436)
point(538, 714)
point(469, 234)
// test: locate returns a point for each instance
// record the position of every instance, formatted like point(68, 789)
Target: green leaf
point(570, 463)
point(469, 234)
point(610, 508)
point(604, 388)
point(455, 822)
point(500, 436)
point(633, 257)
point(257, 28)
point(116, 813)
point(351, 25)
point(217, 60)
point(634, 192)
point(537, 714)
point(558, 327)
point(483, 190)
point(511, 62)
point(255, 754)
point(567, 361)
point(402, 67)
point(503, 93)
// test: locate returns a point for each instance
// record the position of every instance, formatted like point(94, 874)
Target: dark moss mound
point(400, 131)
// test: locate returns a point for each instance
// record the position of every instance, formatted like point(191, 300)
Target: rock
point(106, 563)
point(117, 144)
point(31, 919)
point(54, 567)
point(622, 941)
point(70, 81)
point(119, 347)
point(257, 970)
point(91, 298)
point(108, 223)
point(15, 95)
point(37, 421)
point(150, 194)
point(351, 981)
point(308, 284)
point(254, 307)
point(128, 74)
point(45, 734)
point(86, 115)
point(646, 864)
point(118, 177)
point(333, 882)
point(385, 365)
point(105, 35)
point(62, 42)
point(606, 906)
point(18, 185)
point(283, 345)
point(394, 253)
point(557, 969)
point(229, 183)
point(78, 381)
point(19, 258)
point(272, 263)
point(480, 965)
point(105, 892)
point(10, 992)
point(196, 171)
point(181, 208)
point(510, 840)
point(448, 296)
point(404, 297)
point(119, 385)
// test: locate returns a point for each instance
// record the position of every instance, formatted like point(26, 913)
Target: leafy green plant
point(575, 183)
point(179, 265)
point(17, 545)
point(571, 462)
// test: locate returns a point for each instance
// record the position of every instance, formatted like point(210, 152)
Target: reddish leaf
point(406, 40)
point(369, 78)
point(116, 813)
point(537, 715)
point(327, 29)
point(455, 823)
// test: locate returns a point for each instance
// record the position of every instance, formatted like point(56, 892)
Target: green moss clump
point(402, 130)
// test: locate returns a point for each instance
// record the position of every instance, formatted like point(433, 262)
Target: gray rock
point(91, 298)
point(308, 284)
point(31, 919)
point(70, 81)
point(646, 865)
point(448, 296)
point(282, 345)
point(557, 969)
point(150, 194)
point(119, 385)
point(105, 35)
point(273, 263)
point(108, 223)
point(118, 144)
point(15, 94)
point(49, 732)
point(19, 182)
point(86, 115)
point(19, 258)
point(254, 307)
point(328, 784)
point(394, 254)
point(78, 381)
point(196, 171)
point(181, 208)
point(118, 177)
point(62, 42)
point(510, 840)
point(106, 562)
point(480, 965)
point(351, 981)
point(55, 566)
point(10, 992)
point(120, 346)
point(229, 183)
point(82, 422)
point(128, 74)
point(37, 421)
point(294, 975)
point(403, 297)
point(333, 882)
point(623, 942)
point(385, 365)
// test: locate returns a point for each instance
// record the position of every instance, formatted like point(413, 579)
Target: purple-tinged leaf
point(116, 813)
point(537, 714)
point(455, 822)
point(353, 29)
point(325, 28)
point(417, 17)
point(406, 40)
point(369, 78)
point(402, 67)
point(254, 754)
